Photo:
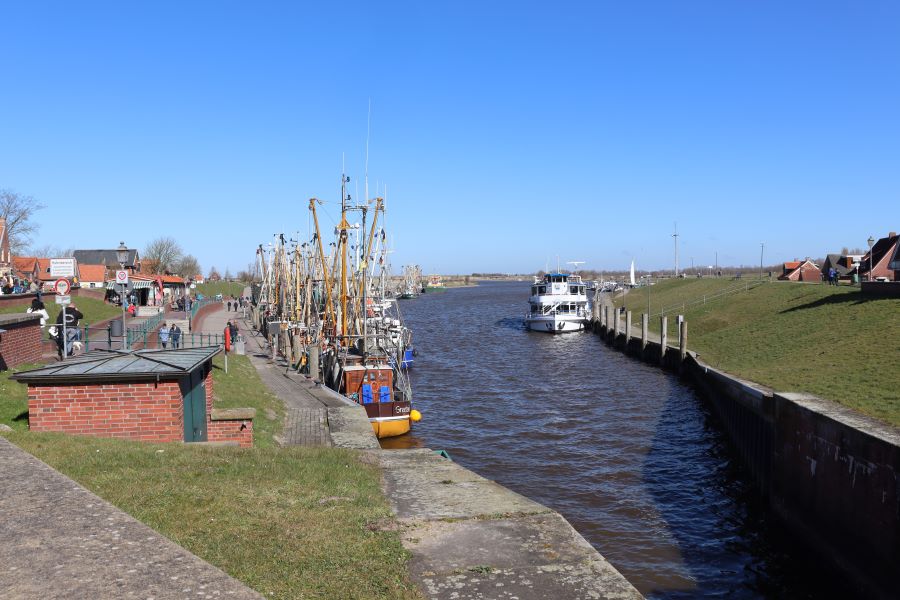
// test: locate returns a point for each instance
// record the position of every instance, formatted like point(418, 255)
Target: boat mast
point(342, 228)
point(329, 305)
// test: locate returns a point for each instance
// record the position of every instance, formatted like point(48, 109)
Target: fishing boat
point(330, 315)
point(435, 284)
point(558, 304)
point(409, 289)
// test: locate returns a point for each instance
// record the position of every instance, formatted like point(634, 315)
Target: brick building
point(147, 395)
point(20, 339)
point(881, 256)
point(801, 270)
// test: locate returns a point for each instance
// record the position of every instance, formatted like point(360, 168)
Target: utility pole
point(675, 235)
point(762, 247)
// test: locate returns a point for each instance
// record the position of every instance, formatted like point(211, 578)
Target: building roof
point(790, 266)
point(878, 251)
point(92, 272)
point(23, 264)
point(105, 257)
point(99, 366)
point(834, 261)
point(44, 270)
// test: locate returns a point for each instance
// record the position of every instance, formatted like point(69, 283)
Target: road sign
point(61, 286)
point(62, 267)
point(64, 299)
point(122, 277)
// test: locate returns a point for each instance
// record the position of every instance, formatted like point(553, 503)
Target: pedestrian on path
point(229, 306)
point(175, 333)
point(234, 331)
point(163, 335)
point(37, 307)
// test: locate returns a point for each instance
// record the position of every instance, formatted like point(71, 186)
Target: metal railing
point(196, 305)
point(189, 340)
point(745, 286)
point(139, 333)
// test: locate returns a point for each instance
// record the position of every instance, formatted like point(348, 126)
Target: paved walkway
point(306, 419)
point(61, 541)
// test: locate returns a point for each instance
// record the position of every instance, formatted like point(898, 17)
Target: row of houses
point(881, 263)
point(94, 269)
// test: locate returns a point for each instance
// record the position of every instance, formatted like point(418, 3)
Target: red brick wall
point(810, 272)
point(134, 411)
point(231, 431)
point(20, 343)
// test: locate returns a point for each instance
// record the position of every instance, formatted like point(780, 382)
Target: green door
point(193, 390)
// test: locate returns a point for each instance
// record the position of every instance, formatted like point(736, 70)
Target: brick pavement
point(306, 418)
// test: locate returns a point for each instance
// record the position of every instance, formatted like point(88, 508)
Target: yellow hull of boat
point(386, 429)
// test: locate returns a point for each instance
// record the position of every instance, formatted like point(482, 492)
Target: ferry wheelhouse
point(558, 304)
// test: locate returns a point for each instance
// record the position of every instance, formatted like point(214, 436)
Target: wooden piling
point(663, 338)
point(616, 325)
point(682, 341)
point(645, 325)
point(627, 328)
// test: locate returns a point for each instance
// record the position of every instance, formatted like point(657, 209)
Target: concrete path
point(309, 407)
point(61, 541)
point(473, 538)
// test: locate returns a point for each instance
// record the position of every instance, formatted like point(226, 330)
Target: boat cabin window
point(542, 289)
point(534, 290)
point(573, 289)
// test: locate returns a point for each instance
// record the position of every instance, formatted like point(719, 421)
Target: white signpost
point(122, 277)
point(62, 267)
point(62, 287)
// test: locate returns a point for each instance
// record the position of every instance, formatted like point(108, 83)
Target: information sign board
point(62, 267)
point(64, 299)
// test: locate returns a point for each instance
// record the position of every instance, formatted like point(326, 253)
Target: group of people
point(71, 316)
point(833, 276)
point(167, 334)
point(9, 285)
point(236, 303)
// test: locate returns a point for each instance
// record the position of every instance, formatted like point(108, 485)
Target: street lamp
point(871, 241)
point(122, 257)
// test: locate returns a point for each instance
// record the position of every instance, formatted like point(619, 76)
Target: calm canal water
point(627, 453)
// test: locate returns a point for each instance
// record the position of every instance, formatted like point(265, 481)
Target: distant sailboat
point(631, 275)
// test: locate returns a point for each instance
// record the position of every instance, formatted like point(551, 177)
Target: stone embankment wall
point(831, 474)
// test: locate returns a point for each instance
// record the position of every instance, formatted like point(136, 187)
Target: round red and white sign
point(62, 286)
point(122, 276)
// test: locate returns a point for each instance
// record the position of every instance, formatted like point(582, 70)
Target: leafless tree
point(18, 211)
point(188, 266)
point(243, 276)
point(227, 275)
point(164, 252)
point(49, 251)
point(213, 274)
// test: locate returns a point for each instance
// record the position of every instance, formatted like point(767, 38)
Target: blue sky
point(507, 133)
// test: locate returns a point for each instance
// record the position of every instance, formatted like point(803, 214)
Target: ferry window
point(542, 289)
point(533, 291)
point(573, 289)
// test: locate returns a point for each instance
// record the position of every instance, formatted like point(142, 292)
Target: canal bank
point(468, 536)
point(829, 473)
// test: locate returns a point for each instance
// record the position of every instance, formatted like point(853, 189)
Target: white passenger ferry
point(558, 304)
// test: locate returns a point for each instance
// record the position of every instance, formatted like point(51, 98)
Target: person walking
point(175, 334)
point(229, 305)
point(234, 331)
point(163, 335)
point(71, 315)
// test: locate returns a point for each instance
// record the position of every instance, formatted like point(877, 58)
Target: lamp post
point(762, 247)
point(122, 256)
point(871, 241)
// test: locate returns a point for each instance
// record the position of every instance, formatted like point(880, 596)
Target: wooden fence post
point(663, 338)
point(627, 328)
point(645, 322)
point(682, 341)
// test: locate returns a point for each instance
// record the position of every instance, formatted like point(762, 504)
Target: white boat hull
point(555, 323)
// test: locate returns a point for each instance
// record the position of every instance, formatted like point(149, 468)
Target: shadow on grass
point(23, 416)
point(857, 298)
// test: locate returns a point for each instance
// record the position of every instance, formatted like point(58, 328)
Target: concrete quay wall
point(832, 475)
point(470, 537)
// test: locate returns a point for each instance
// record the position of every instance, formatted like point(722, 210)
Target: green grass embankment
point(793, 337)
point(226, 288)
point(288, 522)
point(94, 310)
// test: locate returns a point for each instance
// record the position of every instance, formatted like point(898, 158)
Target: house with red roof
point(801, 270)
point(92, 276)
point(880, 256)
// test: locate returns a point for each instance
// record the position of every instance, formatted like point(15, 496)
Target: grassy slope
point(291, 523)
point(14, 399)
point(226, 288)
point(828, 341)
point(94, 310)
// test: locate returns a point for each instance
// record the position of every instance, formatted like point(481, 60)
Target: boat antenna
point(368, 133)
